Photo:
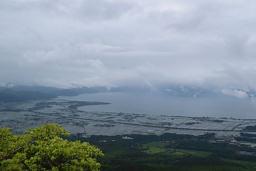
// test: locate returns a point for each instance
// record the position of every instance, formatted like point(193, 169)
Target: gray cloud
point(120, 42)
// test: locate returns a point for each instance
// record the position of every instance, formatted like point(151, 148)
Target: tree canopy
point(45, 148)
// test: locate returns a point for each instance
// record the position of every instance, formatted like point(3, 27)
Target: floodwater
point(159, 104)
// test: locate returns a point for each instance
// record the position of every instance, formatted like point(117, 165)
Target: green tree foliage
point(44, 148)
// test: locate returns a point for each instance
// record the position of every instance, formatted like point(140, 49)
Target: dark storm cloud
point(137, 42)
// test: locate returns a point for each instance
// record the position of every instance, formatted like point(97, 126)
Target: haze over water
point(159, 104)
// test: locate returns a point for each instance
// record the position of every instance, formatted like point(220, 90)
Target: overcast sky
point(67, 43)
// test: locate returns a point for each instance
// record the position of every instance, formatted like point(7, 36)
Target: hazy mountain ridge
point(15, 93)
point(26, 93)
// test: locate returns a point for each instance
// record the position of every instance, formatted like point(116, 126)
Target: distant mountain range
point(16, 93)
point(192, 91)
point(26, 93)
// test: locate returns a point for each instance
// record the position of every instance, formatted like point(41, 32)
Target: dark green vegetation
point(50, 148)
point(250, 128)
point(171, 152)
point(247, 137)
point(44, 148)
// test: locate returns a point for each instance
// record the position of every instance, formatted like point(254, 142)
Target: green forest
point(50, 147)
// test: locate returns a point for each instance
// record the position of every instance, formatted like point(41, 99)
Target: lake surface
point(159, 104)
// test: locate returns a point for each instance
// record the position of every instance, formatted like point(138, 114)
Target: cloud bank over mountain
point(66, 43)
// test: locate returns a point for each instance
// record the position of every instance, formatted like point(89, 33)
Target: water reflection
point(157, 103)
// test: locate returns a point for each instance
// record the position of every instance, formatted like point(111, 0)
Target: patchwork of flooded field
point(22, 116)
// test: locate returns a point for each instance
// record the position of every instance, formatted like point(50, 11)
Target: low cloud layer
point(67, 43)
